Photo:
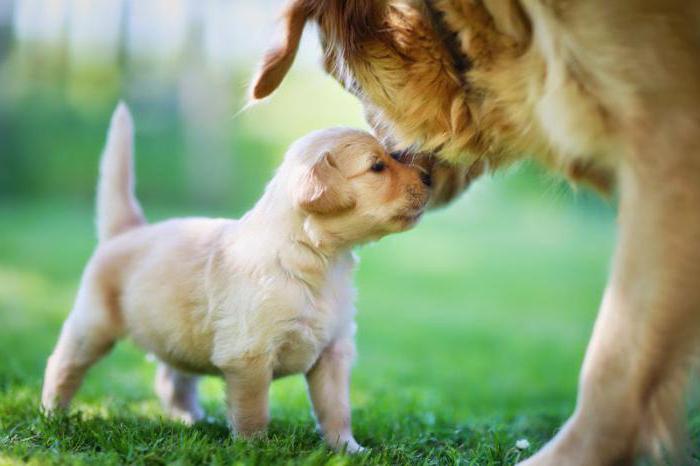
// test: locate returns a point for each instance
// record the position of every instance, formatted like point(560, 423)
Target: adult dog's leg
point(648, 329)
point(329, 390)
point(178, 394)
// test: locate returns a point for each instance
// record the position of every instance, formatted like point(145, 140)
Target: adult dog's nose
point(426, 178)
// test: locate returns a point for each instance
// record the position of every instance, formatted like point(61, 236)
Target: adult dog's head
point(418, 83)
point(446, 80)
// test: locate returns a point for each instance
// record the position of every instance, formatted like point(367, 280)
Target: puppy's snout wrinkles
point(404, 157)
point(417, 197)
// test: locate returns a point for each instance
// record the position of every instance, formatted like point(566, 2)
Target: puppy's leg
point(178, 394)
point(636, 367)
point(87, 335)
point(247, 392)
point(329, 390)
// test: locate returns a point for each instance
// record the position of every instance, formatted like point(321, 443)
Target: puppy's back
point(155, 277)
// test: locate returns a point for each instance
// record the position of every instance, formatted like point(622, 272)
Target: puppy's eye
point(377, 167)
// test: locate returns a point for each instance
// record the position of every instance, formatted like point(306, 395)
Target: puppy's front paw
point(346, 445)
point(188, 418)
point(51, 404)
point(355, 448)
point(250, 433)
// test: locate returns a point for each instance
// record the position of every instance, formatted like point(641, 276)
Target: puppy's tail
point(117, 207)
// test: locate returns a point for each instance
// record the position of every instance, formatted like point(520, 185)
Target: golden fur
point(251, 299)
point(604, 92)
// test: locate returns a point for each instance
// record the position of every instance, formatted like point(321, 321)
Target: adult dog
point(605, 92)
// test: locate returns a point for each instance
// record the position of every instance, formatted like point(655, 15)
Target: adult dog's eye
point(377, 167)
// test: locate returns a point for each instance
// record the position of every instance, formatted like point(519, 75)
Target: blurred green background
point(479, 315)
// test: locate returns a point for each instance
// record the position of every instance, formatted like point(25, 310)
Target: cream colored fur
point(251, 299)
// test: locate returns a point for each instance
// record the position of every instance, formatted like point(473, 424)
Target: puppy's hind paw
point(52, 405)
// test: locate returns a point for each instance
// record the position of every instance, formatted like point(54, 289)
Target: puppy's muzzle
point(408, 158)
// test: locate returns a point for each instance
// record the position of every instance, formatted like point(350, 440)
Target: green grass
point(471, 331)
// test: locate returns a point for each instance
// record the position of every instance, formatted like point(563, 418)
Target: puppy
point(253, 299)
point(604, 92)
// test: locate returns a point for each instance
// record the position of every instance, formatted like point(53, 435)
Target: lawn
point(471, 331)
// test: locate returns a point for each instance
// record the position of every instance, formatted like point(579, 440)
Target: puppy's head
point(352, 188)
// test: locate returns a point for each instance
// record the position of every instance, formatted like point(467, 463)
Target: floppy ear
point(279, 59)
point(324, 190)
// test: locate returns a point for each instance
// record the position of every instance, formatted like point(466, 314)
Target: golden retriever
point(605, 92)
point(255, 299)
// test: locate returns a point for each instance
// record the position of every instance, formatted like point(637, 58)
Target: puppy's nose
point(426, 179)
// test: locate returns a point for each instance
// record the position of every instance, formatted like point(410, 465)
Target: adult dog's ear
point(280, 57)
point(324, 190)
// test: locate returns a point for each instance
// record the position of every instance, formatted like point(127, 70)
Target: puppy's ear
point(324, 190)
point(279, 58)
